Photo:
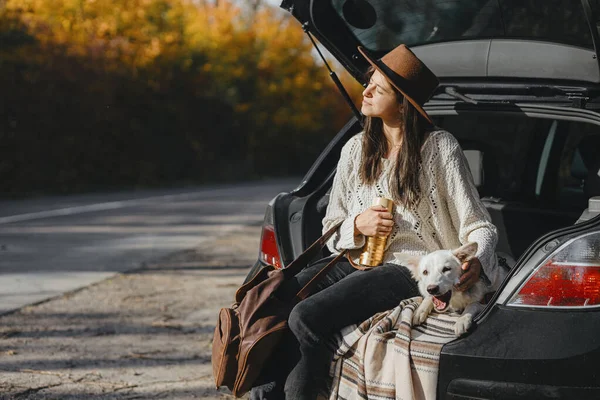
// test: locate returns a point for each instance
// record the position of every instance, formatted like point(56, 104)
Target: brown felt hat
point(406, 73)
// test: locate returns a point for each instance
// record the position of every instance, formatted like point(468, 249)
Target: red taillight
point(268, 247)
point(569, 277)
point(562, 285)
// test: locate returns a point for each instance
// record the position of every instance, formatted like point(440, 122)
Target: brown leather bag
point(248, 331)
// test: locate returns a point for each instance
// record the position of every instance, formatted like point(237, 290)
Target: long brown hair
point(405, 180)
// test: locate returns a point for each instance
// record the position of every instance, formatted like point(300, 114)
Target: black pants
point(345, 296)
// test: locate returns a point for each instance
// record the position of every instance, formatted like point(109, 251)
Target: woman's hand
point(470, 276)
point(374, 221)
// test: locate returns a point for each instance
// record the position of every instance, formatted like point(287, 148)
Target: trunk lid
point(491, 39)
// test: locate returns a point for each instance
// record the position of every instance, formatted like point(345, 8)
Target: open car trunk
point(519, 86)
point(536, 170)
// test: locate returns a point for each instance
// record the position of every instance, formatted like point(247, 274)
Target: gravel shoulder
point(146, 334)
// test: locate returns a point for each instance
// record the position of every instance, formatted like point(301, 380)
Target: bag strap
point(359, 267)
point(309, 254)
point(306, 290)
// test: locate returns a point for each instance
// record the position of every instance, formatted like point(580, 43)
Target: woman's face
point(379, 99)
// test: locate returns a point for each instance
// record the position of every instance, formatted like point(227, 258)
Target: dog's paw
point(419, 317)
point(423, 311)
point(463, 323)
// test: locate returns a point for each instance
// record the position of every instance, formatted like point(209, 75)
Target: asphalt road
point(52, 245)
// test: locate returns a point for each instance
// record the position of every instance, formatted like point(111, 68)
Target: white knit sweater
point(448, 215)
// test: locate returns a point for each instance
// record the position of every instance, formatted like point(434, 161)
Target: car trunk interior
point(534, 175)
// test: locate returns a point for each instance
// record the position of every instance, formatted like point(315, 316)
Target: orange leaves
point(128, 33)
point(259, 65)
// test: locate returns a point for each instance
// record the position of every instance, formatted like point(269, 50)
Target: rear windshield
point(380, 25)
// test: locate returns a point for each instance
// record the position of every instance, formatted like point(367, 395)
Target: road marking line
point(205, 193)
point(63, 211)
point(113, 205)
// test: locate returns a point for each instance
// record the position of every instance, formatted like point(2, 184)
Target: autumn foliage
point(109, 93)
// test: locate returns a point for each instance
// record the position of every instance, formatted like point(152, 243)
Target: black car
point(519, 88)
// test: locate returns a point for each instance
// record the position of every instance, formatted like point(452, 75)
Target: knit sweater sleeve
point(338, 209)
point(469, 216)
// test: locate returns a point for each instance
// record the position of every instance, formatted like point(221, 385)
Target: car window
point(578, 176)
point(381, 25)
point(540, 162)
point(511, 148)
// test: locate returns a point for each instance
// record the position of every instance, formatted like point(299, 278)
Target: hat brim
point(381, 67)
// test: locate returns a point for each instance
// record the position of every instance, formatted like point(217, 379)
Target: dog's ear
point(466, 252)
point(409, 261)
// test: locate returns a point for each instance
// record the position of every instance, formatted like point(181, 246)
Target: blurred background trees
point(103, 94)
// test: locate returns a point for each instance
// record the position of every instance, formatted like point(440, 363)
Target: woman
point(401, 156)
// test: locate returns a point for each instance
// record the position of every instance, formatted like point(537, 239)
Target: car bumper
point(461, 389)
point(519, 353)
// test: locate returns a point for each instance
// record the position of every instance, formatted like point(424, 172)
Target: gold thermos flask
point(372, 252)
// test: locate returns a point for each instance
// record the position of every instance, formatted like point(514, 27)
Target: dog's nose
point(433, 289)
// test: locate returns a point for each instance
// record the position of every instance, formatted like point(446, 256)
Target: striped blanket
point(386, 358)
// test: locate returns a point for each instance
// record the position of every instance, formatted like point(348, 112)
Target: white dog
point(436, 274)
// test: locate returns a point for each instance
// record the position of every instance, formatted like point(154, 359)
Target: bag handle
point(306, 290)
point(303, 259)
